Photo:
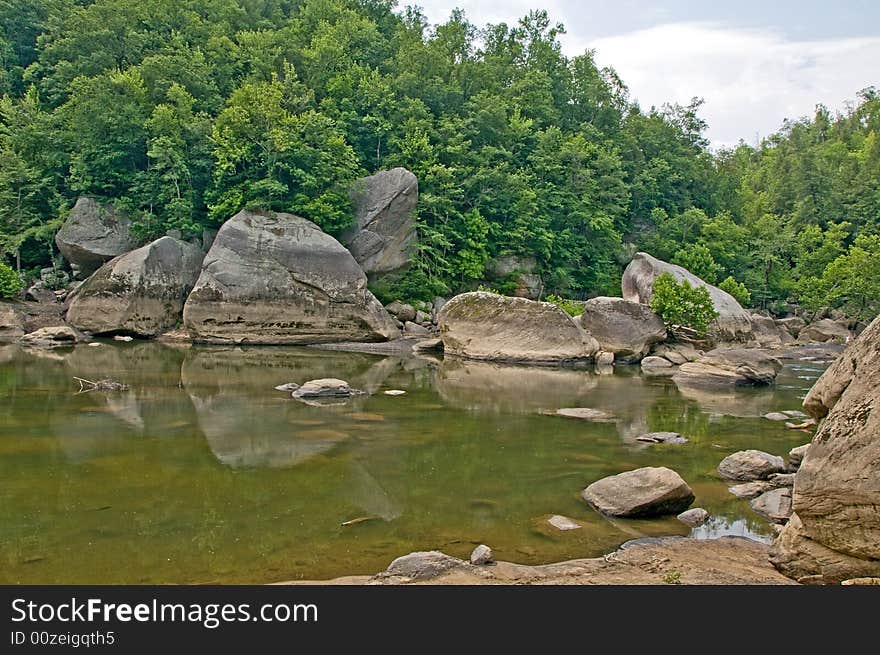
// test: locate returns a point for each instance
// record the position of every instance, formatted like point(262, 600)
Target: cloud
point(750, 79)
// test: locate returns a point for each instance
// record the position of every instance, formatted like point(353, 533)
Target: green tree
point(678, 303)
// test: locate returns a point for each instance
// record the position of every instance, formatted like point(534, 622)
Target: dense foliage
point(570, 307)
point(10, 284)
point(680, 304)
point(184, 111)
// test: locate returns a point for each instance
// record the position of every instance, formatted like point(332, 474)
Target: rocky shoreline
point(651, 561)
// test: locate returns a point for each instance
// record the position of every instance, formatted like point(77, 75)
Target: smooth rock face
point(695, 516)
point(837, 487)
point(93, 234)
point(824, 331)
point(750, 465)
point(733, 322)
point(423, 565)
point(50, 337)
point(774, 504)
point(11, 323)
point(141, 292)
point(278, 279)
point(729, 368)
point(627, 329)
point(482, 555)
point(648, 491)
point(486, 326)
point(384, 237)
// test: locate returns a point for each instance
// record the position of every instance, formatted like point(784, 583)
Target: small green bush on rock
point(678, 303)
point(10, 283)
point(737, 290)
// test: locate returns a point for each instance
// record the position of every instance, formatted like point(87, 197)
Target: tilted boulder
point(768, 333)
point(733, 322)
point(141, 292)
point(487, 326)
point(737, 367)
point(834, 533)
point(627, 329)
point(94, 233)
point(384, 236)
point(274, 278)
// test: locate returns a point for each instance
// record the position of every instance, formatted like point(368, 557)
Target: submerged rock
point(487, 326)
point(92, 234)
point(837, 487)
point(750, 465)
point(584, 413)
point(662, 437)
point(733, 322)
point(141, 292)
point(276, 278)
point(648, 491)
point(325, 388)
point(563, 523)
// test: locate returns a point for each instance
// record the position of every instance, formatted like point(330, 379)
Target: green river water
point(202, 473)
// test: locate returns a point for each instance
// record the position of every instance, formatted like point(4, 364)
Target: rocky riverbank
point(668, 560)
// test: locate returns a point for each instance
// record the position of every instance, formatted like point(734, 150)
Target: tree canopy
point(182, 112)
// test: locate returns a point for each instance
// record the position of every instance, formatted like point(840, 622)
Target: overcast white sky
point(755, 62)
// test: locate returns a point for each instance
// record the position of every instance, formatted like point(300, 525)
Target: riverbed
point(201, 472)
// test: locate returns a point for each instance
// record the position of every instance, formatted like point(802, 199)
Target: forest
point(183, 112)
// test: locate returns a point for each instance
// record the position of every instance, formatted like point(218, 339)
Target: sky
point(754, 62)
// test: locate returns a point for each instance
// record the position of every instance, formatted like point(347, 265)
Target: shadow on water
point(202, 472)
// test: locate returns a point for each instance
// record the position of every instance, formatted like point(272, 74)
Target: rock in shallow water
point(774, 505)
point(749, 465)
point(625, 329)
point(729, 368)
point(325, 388)
point(695, 516)
point(648, 491)
point(563, 523)
point(585, 413)
point(50, 337)
point(662, 437)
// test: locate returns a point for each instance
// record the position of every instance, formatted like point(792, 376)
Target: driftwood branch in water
point(101, 385)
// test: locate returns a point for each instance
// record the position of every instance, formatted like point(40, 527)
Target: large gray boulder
point(94, 233)
point(768, 333)
point(649, 491)
point(11, 323)
point(825, 331)
point(733, 322)
point(141, 292)
point(273, 278)
point(837, 487)
point(487, 326)
point(384, 236)
point(627, 329)
point(738, 367)
point(56, 336)
point(750, 465)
